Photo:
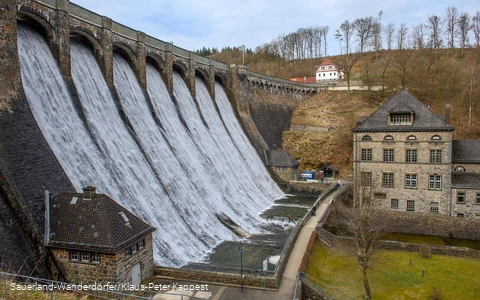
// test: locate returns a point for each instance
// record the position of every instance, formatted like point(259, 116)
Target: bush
point(425, 251)
point(437, 293)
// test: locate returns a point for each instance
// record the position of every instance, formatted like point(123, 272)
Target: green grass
point(432, 240)
point(392, 276)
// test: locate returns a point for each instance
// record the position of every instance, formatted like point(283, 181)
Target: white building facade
point(328, 71)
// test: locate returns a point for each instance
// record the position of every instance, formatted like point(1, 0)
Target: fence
point(304, 286)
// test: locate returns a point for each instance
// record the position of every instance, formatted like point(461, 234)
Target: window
point(388, 138)
point(410, 205)
point(135, 248)
point(460, 215)
point(394, 204)
point(461, 197)
point(388, 154)
point(434, 207)
point(411, 155)
point(128, 252)
point(435, 182)
point(142, 244)
point(459, 169)
point(436, 138)
point(411, 138)
point(366, 154)
point(85, 257)
point(73, 255)
point(366, 138)
point(366, 179)
point(411, 181)
point(401, 119)
point(95, 258)
point(478, 199)
point(435, 156)
point(388, 180)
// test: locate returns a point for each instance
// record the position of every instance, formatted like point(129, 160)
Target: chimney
point(447, 114)
point(89, 192)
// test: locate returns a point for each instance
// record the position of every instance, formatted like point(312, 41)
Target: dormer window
point(366, 138)
point(388, 138)
point(411, 138)
point(401, 119)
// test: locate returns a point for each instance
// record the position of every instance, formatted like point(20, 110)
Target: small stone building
point(283, 164)
point(96, 240)
point(406, 153)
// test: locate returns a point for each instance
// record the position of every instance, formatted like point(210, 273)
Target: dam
point(171, 136)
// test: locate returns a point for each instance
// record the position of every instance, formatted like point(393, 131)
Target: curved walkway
point(287, 285)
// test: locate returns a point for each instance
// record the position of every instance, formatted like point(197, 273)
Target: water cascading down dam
point(175, 167)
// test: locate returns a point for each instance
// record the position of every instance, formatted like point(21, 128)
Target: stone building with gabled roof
point(405, 152)
point(283, 164)
point(96, 240)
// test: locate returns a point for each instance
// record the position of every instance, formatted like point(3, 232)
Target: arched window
point(388, 138)
point(436, 138)
point(411, 138)
point(366, 138)
point(459, 169)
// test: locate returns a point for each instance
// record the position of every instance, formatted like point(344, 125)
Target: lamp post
point(240, 250)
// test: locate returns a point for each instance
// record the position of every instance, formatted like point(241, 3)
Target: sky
point(193, 24)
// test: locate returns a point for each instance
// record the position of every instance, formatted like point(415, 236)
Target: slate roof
point(465, 180)
point(403, 101)
point(466, 151)
point(93, 225)
point(281, 158)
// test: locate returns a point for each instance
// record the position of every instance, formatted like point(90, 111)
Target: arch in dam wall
point(31, 15)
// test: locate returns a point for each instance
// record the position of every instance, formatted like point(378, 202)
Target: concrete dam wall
point(38, 114)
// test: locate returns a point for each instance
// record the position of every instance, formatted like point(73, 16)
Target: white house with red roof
point(328, 71)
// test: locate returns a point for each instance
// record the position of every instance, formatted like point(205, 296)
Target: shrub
point(425, 251)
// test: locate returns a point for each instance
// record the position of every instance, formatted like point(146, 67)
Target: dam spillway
point(175, 168)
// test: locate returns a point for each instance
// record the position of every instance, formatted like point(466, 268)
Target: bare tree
point(325, 32)
point(451, 16)
point(476, 27)
point(435, 29)
point(402, 66)
point(463, 28)
point(347, 28)
point(377, 32)
point(418, 36)
point(402, 36)
point(362, 226)
point(364, 30)
point(389, 33)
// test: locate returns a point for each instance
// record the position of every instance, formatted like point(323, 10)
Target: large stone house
point(405, 152)
point(95, 240)
point(328, 71)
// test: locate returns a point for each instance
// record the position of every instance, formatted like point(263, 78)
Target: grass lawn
point(392, 276)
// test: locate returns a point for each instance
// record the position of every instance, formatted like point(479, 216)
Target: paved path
point(287, 285)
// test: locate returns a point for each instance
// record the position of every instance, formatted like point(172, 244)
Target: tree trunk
point(366, 284)
point(348, 82)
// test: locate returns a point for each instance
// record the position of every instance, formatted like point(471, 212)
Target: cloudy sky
point(192, 24)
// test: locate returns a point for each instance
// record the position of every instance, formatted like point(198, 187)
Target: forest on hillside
point(437, 60)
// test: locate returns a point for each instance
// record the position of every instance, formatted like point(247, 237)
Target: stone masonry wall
point(422, 195)
point(428, 224)
point(113, 268)
point(470, 208)
point(144, 256)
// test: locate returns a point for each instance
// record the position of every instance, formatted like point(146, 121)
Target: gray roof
point(95, 225)
point(466, 151)
point(281, 158)
point(403, 102)
point(465, 180)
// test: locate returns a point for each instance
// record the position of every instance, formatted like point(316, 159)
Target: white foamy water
point(175, 176)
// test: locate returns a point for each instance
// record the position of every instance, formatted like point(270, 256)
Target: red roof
point(327, 61)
